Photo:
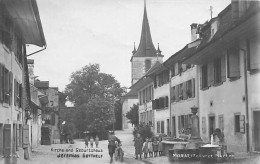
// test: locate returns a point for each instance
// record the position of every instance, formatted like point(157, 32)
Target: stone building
point(228, 64)
point(20, 25)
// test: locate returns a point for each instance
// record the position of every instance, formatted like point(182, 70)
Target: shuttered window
point(193, 87)
point(1, 83)
point(217, 71)
point(239, 123)
point(173, 94)
point(185, 90)
point(180, 91)
point(253, 51)
point(158, 126)
point(233, 63)
point(223, 68)
point(204, 77)
point(162, 126)
point(177, 93)
point(210, 74)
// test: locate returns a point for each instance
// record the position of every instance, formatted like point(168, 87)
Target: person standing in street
point(145, 147)
point(112, 139)
point(97, 141)
point(86, 142)
point(91, 142)
point(155, 147)
point(138, 146)
point(160, 147)
point(150, 147)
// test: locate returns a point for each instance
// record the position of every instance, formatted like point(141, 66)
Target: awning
point(25, 15)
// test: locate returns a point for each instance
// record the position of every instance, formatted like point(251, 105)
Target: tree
point(133, 115)
point(94, 94)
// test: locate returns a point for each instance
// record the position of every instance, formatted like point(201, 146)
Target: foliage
point(95, 95)
point(133, 115)
point(143, 130)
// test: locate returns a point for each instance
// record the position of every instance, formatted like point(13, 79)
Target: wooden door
point(7, 140)
point(257, 130)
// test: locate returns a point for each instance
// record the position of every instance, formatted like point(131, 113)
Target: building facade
point(141, 61)
point(228, 64)
point(14, 35)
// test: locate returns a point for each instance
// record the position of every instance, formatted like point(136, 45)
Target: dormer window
point(214, 28)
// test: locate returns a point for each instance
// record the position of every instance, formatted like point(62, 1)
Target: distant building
point(141, 61)
point(20, 24)
point(228, 62)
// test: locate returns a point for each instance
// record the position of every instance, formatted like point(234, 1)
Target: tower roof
point(146, 47)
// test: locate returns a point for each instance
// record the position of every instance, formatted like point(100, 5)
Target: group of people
point(151, 147)
point(91, 141)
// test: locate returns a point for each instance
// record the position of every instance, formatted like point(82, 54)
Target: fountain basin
point(210, 153)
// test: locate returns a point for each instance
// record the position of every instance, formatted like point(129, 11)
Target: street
point(49, 154)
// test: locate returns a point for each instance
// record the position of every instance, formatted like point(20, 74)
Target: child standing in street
point(150, 148)
point(97, 141)
point(91, 142)
point(138, 146)
point(155, 147)
point(86, 142)
point(145, 147)
point(160, 146)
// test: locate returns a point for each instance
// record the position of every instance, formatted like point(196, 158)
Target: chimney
point(194, 27)
point(238, 9)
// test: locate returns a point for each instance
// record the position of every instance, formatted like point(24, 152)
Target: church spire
point(134, 51)
point(146, 47)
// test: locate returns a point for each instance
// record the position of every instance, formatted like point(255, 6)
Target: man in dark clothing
point(138, 146)
point(112, 145)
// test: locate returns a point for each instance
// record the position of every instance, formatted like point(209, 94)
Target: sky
point(79, 32)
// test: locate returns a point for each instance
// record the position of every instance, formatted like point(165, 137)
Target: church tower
point(146, 55)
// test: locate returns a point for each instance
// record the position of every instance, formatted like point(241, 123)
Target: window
point(184, 124)
point(19, 49)
point(204, 77)
point(217, 71)
point(158, 126)
point(173, 71)
point(162, 126)
point(188, 66)
point(253, 50)
point(189, 89)
point(239, 123)
point(7, 85)
point(233, 70)
point(1, 83)
point(166, 101)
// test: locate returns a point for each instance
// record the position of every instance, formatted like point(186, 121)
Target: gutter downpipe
point(246, 99)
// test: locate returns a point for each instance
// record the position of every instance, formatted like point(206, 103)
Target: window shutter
point(221, 123)
point(210, 74)
point(248, 54)
point(223, 68)
point(15, 92)
point(157, 104)
point(166, 101)
point(1, 83)
point(21, 95)
point(185, 88)
point(179, 124)
point(193, 87)
point(177, 93)
point(242, 123)
point(200, 77)
point(10, 88)
point(254, 53)
point(233, 63)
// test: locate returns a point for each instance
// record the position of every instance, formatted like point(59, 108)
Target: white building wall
point(162, 114)
point(127, 104)
point(226, 100)
point(183, 107)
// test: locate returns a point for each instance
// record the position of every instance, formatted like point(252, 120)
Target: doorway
point(211, 125)
point(256, 115)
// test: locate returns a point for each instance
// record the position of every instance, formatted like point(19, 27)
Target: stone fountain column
point(195, 129)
